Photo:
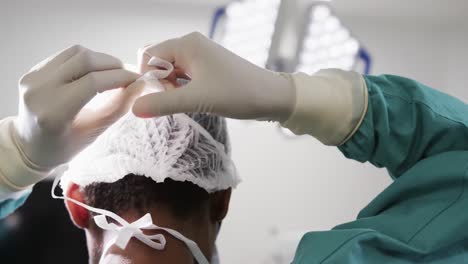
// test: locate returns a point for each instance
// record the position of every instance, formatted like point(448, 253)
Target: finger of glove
point(173, 101)
point(54, 61)
point(80, 92)
point(87, 62)
point(51, 64)
point(96, 121)
point(164, 50)
point(177, 51)
point(122, 101)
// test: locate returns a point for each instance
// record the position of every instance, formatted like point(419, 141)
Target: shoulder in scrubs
point(420, 136)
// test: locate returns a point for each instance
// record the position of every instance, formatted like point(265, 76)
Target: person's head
point(192, 197)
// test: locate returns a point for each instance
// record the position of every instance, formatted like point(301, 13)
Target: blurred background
point(291, 185)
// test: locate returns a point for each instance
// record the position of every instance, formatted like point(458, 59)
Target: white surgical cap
point(180, 147)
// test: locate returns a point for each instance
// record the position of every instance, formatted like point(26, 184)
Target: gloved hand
point(52, 126)
point(329, 105)
point(221, 83)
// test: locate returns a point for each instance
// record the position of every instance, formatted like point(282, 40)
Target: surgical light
point(326, 43)
point(248, 29)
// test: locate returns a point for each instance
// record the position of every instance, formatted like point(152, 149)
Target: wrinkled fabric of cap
point(193, 148)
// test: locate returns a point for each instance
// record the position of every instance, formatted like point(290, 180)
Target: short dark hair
point(140, 193)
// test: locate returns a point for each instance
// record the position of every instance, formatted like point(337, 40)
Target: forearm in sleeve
point(406, 122)
point(15, 175)
point(390, 121)
point(330, 105)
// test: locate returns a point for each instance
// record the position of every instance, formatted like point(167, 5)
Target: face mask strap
point(115, 217)
point(220, 148)
point(126, 232)
point(192, 246)
point(135, 229)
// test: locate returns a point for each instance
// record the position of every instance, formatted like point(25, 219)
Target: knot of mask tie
point(126, 231)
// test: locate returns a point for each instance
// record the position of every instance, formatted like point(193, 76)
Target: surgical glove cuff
point(330, 105)
point(16, 171)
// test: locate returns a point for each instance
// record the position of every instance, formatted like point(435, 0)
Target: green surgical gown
point(421, 137)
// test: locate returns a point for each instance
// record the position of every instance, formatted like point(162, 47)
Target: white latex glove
point(221, 83)
point(329, 105)
point(52, 126)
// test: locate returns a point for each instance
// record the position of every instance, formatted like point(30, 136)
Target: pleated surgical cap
point(181, 147)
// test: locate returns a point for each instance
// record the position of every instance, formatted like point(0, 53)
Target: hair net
point(181, 147)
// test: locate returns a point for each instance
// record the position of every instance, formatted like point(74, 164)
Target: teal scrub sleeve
point(364, 246)
point(405, 123)
point(7, 207)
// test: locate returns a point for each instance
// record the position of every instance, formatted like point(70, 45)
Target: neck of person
point(202, 231)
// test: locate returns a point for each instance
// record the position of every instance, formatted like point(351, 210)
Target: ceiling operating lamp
point(247, 28)
point(326, 43)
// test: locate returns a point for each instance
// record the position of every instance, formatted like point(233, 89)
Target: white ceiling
point(434, 10)
point(448, 10)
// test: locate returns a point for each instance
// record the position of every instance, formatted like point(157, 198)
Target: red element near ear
point(78, 214)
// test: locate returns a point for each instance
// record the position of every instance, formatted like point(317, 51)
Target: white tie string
point(129, 230)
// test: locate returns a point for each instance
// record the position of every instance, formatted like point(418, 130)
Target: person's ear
point(219, 204)
point(78, 214)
